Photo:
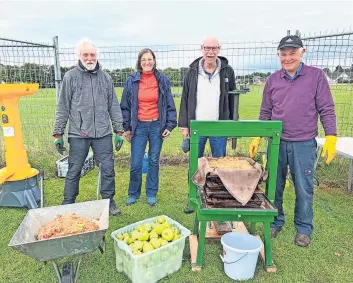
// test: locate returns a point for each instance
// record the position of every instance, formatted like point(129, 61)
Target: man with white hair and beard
point(88, 101)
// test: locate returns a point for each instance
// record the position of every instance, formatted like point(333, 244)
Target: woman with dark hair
point(149, 116)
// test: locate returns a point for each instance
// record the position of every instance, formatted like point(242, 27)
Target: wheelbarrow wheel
point(68, 273)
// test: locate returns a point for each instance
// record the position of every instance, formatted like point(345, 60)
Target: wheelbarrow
point(49, 250)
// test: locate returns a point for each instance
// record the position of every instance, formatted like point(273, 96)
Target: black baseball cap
point(290, 41)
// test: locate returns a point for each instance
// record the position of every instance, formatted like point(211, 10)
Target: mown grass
point(327, 259)
point(38, 111)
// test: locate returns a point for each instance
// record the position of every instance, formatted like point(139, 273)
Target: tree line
point(45, 75)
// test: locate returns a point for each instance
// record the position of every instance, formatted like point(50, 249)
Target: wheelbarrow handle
point(41, 176)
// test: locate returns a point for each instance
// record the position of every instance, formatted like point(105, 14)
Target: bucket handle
point(232, 261)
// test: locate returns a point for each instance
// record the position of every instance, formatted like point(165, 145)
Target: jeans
point(218, 146)
point(103, 153)
point(151, 132)
point(300, 156)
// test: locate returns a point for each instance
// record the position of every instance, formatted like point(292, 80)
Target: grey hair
point(83, 42)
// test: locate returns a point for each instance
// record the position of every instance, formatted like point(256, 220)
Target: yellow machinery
point(18, 181)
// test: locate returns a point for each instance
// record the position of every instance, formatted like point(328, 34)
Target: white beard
point(90, 67)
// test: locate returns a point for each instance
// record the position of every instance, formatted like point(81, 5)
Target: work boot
point(302, 240)
point(113, 209)
point(274, 232)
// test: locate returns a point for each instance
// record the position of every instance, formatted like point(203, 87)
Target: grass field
point(327, 259)
point(38, 111)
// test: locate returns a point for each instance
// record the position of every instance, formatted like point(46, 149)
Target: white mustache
point(90, 65)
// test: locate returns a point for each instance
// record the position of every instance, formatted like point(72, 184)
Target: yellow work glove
point(254, 147)
point(329, 148)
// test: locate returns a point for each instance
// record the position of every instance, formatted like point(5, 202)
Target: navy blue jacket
point(129, 103)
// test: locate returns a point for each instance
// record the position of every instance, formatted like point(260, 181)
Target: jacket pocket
point(102, 120)
point(86, 121)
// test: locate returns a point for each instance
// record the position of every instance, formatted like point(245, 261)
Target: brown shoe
point(274, 232)
point(302, 240)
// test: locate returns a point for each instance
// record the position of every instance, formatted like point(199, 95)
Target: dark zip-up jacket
point(89, 102)
point(166, 106)
point(189, 96)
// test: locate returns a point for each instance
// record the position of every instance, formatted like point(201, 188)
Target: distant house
point(257, 80)
point(341, 77)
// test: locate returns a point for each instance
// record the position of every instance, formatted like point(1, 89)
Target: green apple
point(147, 227)
point(120, 237)
point(153, 234)
point(138, 245)
point(135, 234)
point(153, 225)
point(168, 234)
point(161, 219)
point(158, 229)
point(176, 237)
point(140, 228)
point(176, 230)
point(126, 238)
point(130, 241)
point(144, 236)
point(147, 247)
point(163, 242)
point(166, 225)
point(156, 243)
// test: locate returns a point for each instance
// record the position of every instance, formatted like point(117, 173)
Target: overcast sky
point(169, 22)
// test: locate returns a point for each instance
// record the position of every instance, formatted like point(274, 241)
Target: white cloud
point(152, 22)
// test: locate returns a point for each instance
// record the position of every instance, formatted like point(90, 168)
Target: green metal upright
point(235, 129)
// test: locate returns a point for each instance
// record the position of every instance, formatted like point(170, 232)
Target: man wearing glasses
point(205, 95)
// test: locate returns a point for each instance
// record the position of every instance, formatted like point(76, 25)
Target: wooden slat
point(193, 252)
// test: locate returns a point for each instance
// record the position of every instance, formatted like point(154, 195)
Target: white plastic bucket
point(240, 254)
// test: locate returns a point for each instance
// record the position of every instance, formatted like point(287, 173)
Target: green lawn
point(327, 259)
point(37, 114)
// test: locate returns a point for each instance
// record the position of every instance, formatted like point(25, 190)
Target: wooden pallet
point(211, 234)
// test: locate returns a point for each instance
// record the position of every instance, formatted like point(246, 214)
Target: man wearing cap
point(296, 95)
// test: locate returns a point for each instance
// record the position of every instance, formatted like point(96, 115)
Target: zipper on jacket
point(94, 108)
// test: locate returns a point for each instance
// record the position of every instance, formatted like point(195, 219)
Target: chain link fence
point(252, 62)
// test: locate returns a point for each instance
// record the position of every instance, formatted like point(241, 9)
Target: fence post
point(57, 66)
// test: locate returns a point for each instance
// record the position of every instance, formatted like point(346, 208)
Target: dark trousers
point(103, 152)
point(300, 157)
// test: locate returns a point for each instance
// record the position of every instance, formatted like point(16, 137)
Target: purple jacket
point(298, 103)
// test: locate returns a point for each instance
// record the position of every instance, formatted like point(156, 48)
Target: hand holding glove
point(254, 147)
point(59, 144)
point(329, 148)
point(118, 141)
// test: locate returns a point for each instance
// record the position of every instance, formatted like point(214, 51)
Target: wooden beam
point(193, 252)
